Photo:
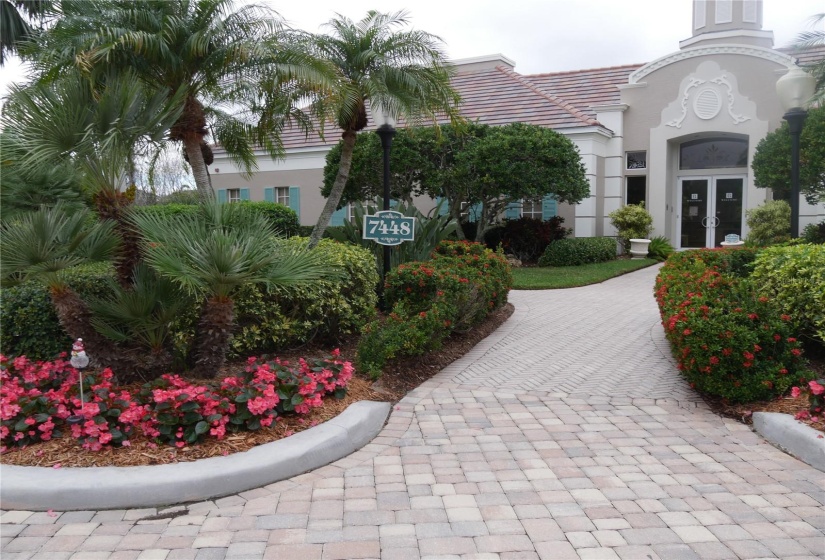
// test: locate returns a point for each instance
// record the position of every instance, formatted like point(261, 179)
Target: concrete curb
point(98, 488)
point(796, 438)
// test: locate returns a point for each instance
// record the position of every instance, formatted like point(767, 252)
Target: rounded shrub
point(288, 316)
point(814, 233)
point(769, 223)
point(283, 219)
point(793, 277)
point(579, 251)
point(631, 222)
point(728, 341)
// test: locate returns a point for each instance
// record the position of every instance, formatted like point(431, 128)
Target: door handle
point(705, 221)
point(715, 221)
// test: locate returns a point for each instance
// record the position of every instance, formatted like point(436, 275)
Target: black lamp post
point(386, 131)
point(795, 90)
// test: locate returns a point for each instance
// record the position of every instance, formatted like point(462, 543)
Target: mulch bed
point(400, 376)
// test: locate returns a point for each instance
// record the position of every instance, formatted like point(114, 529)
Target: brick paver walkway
point(566, 434)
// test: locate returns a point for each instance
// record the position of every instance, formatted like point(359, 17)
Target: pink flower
point(816, 388)
point(795, 392)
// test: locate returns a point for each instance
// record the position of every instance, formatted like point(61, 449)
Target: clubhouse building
point(677, 133)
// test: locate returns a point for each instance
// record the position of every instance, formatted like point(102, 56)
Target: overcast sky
point(541, 35)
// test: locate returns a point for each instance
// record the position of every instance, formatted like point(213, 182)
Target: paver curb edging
point(99, 488)
point(796, 438)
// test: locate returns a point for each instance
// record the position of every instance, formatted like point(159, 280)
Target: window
point(465, 211)
point(636, 192)
point(532, 209)
point(636, 160)
point(282, 195)
point(713, 153)
point(233, 195)
point(351, 213)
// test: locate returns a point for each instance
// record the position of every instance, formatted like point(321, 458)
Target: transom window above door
point(713, 153)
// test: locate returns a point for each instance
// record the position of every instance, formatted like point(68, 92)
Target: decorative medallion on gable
point(709, 94)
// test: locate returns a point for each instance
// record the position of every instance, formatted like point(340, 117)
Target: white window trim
point(233, 195)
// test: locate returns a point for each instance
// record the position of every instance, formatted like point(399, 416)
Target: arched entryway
point(712, 186)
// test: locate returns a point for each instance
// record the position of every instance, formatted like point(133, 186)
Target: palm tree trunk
point(75, 318)
point(212, 338)
point(192, 145)
point(337, 189)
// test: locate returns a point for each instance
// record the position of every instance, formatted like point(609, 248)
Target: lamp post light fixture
point(795, 90)
point(386, 131)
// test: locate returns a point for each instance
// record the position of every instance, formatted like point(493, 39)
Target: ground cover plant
point(41, 400)
point(729, 341)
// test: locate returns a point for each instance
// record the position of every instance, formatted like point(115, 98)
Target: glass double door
point(710, 208)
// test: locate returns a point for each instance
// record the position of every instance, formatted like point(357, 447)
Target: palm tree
point(98, 128)
point(403, 71)
point(47, 243)
point(211, 256)
point(15, 26)
point(814, 39)
point(241, 73)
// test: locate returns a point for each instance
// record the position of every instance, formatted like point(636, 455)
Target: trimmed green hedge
point(267, 321)
point(793, 277)
point(28, 322)
point(283, 219)
point(579, 251)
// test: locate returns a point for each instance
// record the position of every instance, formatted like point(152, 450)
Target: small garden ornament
point(79, 360)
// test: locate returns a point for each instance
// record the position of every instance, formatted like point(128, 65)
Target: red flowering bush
point(41, 400)
point(728, 341)
point(816, 401)
point(457, 288)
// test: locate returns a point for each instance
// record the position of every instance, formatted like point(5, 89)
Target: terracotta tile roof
point(585, 88)
point(501, 96)
point(806, 57)
point(497, 96)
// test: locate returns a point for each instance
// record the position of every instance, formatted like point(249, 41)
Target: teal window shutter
point(245, 194)
point(393, 204)
point(338, 217)
point(475, 212)
point(269, 194)
point(444, 209)
point(222, 196)
point(295, 199)
point(513, 211)
point(548, 207)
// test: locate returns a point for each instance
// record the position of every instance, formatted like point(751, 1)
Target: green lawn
point(550, 278)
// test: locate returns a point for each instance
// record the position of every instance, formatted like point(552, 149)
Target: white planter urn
point(638, 248)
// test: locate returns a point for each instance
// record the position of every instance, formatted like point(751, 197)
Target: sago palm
point(241, 72)
point(45, 245)
point(380, 64)
point(211, 256)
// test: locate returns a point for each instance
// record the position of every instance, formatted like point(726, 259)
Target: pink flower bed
point(41, 400)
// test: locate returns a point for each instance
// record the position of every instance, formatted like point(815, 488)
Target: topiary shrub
point(579, 251)
point(660, 248)
point(793, 278)
point(273, 320)
point(526, 238)
point(769, 223)
point(631, 222)
point(28, 322)
point(728, 341)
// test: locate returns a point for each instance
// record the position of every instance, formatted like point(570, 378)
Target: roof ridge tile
point(584, 70)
